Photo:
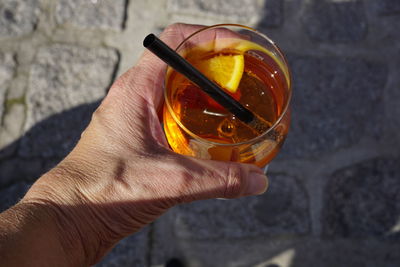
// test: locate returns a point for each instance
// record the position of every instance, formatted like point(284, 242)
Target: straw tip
point(149, 40)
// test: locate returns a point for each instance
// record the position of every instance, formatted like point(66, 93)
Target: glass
point(195, 125)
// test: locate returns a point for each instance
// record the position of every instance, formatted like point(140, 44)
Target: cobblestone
point(364, 200)
point(272, 15)
point(17, 17)
point(13, 170)
point(333, 196)
point(56, 135)
point(328, 112)
point(11, 129)
point(385, 31)
point(283, 210)
point(102, 14)
point(12, 124)
point(344, 252)
point(66, 81)
point(131, 251)
point(386, 7)
point(336, 21)
point(7, 67)
point(392, 108)
point(242, 11)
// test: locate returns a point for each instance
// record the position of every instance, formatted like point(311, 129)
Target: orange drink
point(249, 67)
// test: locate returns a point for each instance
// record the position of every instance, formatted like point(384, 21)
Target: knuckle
point(176, 32)
point(172, 34)
point(234, 181)
point(173, 27)
point(100, 114)
point(171, 30)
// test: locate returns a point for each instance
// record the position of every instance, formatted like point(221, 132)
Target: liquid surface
point(200, 114)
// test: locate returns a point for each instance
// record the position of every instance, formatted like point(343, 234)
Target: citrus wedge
point(225, 70)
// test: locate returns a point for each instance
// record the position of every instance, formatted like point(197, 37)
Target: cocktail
point(250, 68)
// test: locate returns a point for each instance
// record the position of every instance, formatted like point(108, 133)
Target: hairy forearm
point(30, 237)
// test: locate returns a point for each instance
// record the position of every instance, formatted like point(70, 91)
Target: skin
point(120, 177)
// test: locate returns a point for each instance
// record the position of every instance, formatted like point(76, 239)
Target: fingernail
point(258, 184)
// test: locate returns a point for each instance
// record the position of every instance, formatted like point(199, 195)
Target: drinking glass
point(195, 125)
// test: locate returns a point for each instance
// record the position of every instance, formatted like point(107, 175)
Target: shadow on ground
point(40, 149)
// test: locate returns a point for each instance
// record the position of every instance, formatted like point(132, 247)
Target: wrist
point(77, 196)
point(58, 196)
point(54, 215)
point(31, 228)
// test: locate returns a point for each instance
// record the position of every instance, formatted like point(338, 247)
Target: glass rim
point(277, 121)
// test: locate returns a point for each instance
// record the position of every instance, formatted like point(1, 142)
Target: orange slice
point(219, 68)
point(225, 70)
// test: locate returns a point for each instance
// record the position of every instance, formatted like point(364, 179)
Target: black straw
point(173, 59)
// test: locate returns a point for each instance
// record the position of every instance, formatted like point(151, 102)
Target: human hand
point(122, 175)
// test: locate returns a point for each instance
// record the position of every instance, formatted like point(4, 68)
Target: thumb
point(218, 179)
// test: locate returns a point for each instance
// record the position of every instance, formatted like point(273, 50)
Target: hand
point(122, 175)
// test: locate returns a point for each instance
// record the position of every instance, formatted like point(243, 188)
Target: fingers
point(230, 180)
point(146, 78)
point(196, 179)
point(173, 35)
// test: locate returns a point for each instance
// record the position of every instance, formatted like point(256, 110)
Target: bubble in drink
point(226, 129)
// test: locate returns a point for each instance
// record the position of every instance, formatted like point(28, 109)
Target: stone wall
point(334, 197)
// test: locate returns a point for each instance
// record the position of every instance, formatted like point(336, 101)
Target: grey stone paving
point(7, 66)
point(327, 112)
point(131, 251)
point(386, 7)
point(364, 200)
point(18, 17)
point(63, 77)
point(246, 10)
point(14, 169)
point(286, 252)
point(336, 21)
point(272, 15)
point(91, 14)
point(283, 211)
point(334, 189)
point(12, 127)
